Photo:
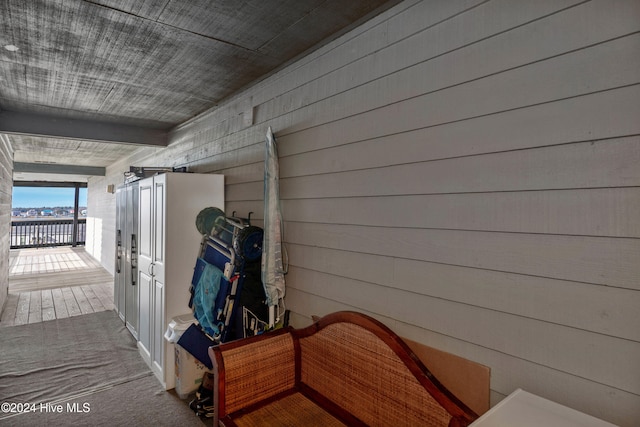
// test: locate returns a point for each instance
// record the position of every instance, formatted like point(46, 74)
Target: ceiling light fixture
point(11, 47)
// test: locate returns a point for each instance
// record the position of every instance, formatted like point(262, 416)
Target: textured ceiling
point(147, 64)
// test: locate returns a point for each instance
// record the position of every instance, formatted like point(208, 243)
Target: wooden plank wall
point(467, 172)
point(6, 186)
point(101, 221)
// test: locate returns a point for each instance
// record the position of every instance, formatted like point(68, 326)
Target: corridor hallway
point(55, 283)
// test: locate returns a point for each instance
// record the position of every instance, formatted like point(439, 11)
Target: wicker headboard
point(366, 369)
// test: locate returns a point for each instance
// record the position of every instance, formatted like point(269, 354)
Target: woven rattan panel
point(359, 372)
point(249, 382)
point(294, 411)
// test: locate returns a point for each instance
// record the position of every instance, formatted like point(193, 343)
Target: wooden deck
point(55, 283)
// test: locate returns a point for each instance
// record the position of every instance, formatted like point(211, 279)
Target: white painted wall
point(465, 171)
point(101, 220)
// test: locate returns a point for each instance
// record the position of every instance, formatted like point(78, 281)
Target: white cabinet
point(125, 275)
point(168, 246)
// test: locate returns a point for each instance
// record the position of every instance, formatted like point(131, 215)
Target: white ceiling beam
point(42, 125)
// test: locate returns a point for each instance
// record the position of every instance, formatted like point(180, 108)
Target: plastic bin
point(188, 370)
point(177, 326)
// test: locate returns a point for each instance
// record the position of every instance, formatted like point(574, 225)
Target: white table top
point(523, 409)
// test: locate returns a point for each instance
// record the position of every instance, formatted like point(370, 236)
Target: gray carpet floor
point(84, 370)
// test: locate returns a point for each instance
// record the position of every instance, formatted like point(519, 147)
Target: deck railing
point(33, 233)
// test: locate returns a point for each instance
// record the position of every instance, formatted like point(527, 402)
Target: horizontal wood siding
point(467, 172)
point(6, 186)
point(101, 220)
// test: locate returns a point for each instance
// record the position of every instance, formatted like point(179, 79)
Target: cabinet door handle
point(150, 269)
point(119, 253)
point(134, 259)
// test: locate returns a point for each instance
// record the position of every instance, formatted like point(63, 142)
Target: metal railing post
point(76, 204)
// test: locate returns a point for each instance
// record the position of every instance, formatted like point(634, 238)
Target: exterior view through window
point(47, 216)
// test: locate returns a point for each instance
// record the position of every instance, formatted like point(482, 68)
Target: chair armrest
point(250, 370)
